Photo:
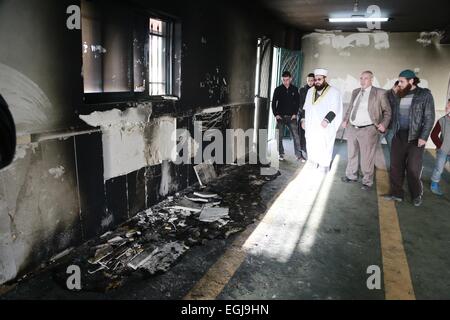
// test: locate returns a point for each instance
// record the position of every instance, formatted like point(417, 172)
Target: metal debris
point(205, 195)
point(197, 199)
point(154, 239)
point(205, 173)
point(105, 234)
point(116, 239)
point(141, 258)
point(213, 214)
point(186, 205)
point(162, 258)
point(61, 254)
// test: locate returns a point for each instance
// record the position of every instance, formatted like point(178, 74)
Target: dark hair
point(310, 75)
point(396, 83)
point(416, 81)
point(286, 74)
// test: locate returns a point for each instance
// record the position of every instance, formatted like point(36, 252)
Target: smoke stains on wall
point(40, 209)
point(40, 64)
point(84, 167)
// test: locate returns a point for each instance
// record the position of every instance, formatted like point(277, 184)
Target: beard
point(403, 92)
point(320, 86)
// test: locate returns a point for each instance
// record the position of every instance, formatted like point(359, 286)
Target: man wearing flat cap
point(323, 116)
point(412, 121)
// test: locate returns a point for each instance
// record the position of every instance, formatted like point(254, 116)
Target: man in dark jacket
point(412, 121)
point(301, 114)
point(285, 105)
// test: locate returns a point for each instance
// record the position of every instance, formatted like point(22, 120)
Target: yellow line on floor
point(397, 277)
point(213, 282)
point(218, 275)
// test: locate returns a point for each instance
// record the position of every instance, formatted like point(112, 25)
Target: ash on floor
point(153, 240)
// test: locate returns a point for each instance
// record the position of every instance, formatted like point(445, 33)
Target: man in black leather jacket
point(412, 121)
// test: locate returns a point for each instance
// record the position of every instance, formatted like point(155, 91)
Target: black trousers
point(406, 157)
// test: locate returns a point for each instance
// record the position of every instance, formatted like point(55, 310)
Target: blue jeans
point(292, 126)
point(441, 160)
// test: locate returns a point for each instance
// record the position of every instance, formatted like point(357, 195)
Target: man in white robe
point(323, 115)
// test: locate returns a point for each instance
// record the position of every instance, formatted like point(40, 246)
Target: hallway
point(315, 241)
point(140, 160)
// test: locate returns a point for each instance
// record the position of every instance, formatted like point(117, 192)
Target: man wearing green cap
point(412, 120)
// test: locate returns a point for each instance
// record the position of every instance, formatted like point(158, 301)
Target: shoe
point(300, 158)
point(345, 179)
point(418, 201)
point(390, 197)
point(281, 157)
point(436, 189)
point(365, 187)
point(305, 155)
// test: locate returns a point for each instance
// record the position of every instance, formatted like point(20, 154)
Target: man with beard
point(323, 115)
point(369, 115)
point(412, 121)
point(301, 132)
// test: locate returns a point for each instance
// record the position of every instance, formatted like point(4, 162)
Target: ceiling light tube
point(358, 19)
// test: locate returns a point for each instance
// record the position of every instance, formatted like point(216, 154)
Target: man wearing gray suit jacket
point(367, 117)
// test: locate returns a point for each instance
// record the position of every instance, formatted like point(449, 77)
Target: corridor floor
point(319, 239)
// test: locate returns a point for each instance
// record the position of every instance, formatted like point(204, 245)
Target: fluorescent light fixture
point(358, 19)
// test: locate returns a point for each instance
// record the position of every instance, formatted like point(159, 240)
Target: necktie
point(357, 103)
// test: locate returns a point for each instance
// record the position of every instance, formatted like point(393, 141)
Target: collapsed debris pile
point(153, 240)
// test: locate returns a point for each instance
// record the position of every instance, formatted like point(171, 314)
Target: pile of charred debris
point(153, 240)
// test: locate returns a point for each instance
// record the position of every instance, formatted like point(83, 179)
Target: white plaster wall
point(132, 141)
point(346, 55)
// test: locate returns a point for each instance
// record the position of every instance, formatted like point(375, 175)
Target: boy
point(442, 143)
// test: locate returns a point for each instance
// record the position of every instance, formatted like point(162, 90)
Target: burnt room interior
point(132, 134)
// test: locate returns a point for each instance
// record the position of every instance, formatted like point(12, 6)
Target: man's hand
point(303, 124)
point(324, 123)
point(294, 117)
point(278, 117)
point(344, 124)
point(381, 128)
point(421, 143)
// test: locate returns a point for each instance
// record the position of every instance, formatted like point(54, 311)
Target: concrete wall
point(71, 179)
point(386, 54)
